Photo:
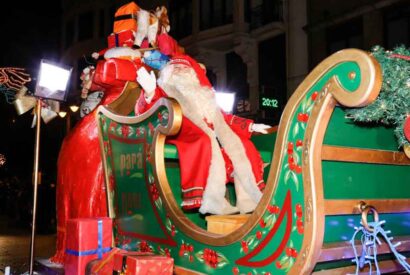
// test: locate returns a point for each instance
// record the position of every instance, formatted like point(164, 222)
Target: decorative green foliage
point(392, 106)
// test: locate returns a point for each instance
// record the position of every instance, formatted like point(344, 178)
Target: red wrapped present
point(121, 39)
point(105, 265)
point(87, 239)
point(120, 259)
point(149, 265)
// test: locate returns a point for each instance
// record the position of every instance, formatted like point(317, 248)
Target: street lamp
point(51, 84)
point(74, 108)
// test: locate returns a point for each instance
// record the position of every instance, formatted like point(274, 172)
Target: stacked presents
point(89, 251)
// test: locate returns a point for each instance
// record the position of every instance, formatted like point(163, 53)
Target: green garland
point(392, 106)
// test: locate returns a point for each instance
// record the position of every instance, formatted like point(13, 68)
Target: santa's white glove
point(260, 128)
point(148, 82)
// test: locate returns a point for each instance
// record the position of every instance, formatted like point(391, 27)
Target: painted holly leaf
point(303, 126)
point(164, 251)
point(170, 227)
point(303, 105)
point(200, 256)
point(271, 220)
point(222, 260)
point(295, 180)
point(287, 176)
point(295, 156)
point(309, 109)
point(309, 104)
point(295, 129)
point(250, 240)
point(288, 265)
point(168, 224)
point(158, 203)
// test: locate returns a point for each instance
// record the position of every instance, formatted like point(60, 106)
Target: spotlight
point(52, 81)
point(225, 100)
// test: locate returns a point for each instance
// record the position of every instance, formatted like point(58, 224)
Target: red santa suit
point(195, 154)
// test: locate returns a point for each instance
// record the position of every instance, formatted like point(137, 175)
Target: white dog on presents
point(179, 80)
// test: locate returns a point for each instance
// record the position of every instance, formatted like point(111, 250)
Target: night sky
point(30, 31)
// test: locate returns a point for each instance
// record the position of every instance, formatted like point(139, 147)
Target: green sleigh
point(322, 172)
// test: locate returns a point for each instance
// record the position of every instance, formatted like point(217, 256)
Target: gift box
point(120, 259)
point(86, 240)
point(149, 265)
point(121, 39)
point(105, 265)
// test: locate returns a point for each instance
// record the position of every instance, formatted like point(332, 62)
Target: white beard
point(142, 26)
point(198, 104)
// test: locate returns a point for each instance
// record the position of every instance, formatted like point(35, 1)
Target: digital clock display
point(269, 103)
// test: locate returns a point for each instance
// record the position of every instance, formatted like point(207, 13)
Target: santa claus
point(213, 147)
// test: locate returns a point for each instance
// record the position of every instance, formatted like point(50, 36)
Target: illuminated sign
point(268, 103)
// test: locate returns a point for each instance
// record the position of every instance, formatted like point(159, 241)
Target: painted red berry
point(299, 212)
point(273, 209)
point(278, 265)
point(244, 246)
point(305, 117)
point(294, 253)
point(290, 148)
point(258, 235)
point(299, 143)
point(190, 248)
point(289, 251)
point(291, 159)
point(314, 96)
point(235, 270)
point(300, 117)
point(300, 229)
point(298, 169)
point(299, 222)
point(268, 273)
point(191, 258)
point(214, 258)
point(262, 223)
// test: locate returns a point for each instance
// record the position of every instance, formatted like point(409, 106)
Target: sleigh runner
point(320, 167)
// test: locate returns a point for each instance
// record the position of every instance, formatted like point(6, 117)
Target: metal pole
point(35, 171)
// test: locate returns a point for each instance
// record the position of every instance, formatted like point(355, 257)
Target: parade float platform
point(322, 171)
